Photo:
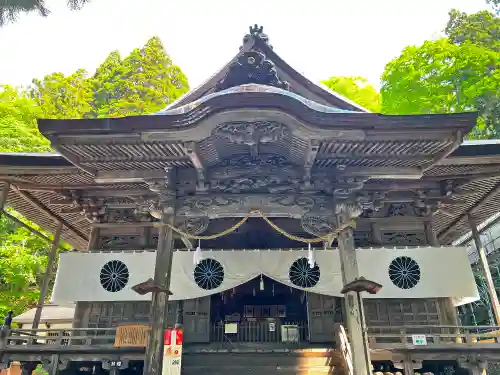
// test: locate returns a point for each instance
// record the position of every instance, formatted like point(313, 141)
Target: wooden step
point(303, 363)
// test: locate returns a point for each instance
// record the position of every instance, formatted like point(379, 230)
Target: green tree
point(11, 9)
point(142, 83)
point(23, 259)
point(356, 89)
point(482, 29)
point(63, 97)
point(442, 77)
point(18, 129)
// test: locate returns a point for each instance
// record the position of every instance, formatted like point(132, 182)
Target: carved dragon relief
point(251, 133)
point(290, 205)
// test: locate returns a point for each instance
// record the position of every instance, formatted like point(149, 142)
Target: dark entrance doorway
point(261, 310)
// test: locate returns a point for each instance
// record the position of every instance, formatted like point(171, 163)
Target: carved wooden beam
point(128, 176)
point(114, 196)
point(457, 140)
point(310, 158)
point(7, 170)
point(385, 156)
point(467, 178)
point(36, 204)
point(75, 160)
point(191, 150)
point(383, 172)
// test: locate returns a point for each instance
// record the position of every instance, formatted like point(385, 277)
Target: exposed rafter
point(492, 194)
point(36, 204)
point(191, 151)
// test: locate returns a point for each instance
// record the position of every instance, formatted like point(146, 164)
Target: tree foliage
point(461, 73)
point(143, 82)
point(11, 9)
point(482, 29)
point(23, 259)
point(18, 129)
point(356, 89)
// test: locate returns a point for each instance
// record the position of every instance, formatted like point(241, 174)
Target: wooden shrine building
point(249, 204)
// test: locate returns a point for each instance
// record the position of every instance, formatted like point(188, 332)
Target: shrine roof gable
point(257, 41)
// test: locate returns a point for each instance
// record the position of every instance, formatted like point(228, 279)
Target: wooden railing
point(344, 347)
point(432, 336)
point(60, 337)
point(259, 332)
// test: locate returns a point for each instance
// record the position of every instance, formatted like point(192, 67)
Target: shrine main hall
point(271, 223)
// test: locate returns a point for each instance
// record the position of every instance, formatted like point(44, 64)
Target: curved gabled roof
point(256, 41)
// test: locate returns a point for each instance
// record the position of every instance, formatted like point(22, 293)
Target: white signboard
point(172, 351)
point(419, 339)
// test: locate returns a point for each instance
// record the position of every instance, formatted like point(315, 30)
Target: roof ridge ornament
point(257, 33)
point(252, 67)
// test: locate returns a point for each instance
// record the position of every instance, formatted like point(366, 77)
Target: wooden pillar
point(354, 304)
point(47, 276)
point(486, 269)
point(376, 234)
point(179, 317)
point(432, 239)
point(93, 243)
point(4, 193)
point(163, 268)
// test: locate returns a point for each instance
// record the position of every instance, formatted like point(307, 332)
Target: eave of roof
point(50, 314)
point(178, 122)
point(35, 159)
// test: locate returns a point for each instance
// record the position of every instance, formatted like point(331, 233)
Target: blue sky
point(319, 38)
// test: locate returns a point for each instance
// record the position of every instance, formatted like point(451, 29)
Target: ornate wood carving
point(120, 242)
point(193, 225)
point(363, 239)
point(318, 225)
point(251, 133)
point(403, 238)
point(256, 32)
point(252, 67)
point(230, 205)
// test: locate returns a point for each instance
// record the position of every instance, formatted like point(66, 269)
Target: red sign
point(172, 351)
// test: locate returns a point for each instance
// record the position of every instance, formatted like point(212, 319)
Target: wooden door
point(323, 312)
point(197, 320)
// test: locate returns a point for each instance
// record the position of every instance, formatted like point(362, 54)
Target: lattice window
point(401, 312)
point(111, 314)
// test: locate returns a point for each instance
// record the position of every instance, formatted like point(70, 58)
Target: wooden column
point(4, 193)
point(486, 269)
point(93, 243)
point(47, 276)
point(432, 239)
point(179, 316)
point(354, 304)
point(163, 268)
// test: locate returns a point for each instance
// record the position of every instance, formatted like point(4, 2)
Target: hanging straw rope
point(328, 237)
